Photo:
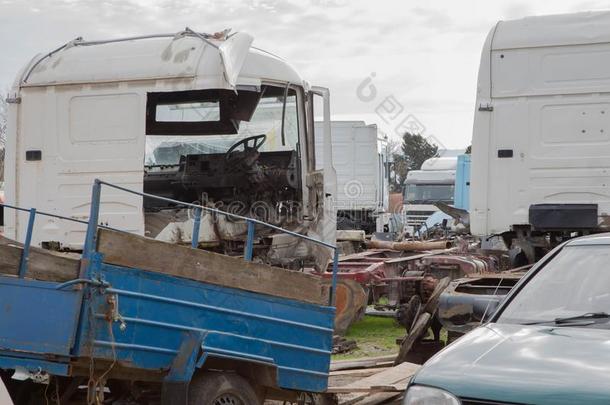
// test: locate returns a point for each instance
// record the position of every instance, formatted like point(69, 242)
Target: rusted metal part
point(409, 245)
point(350, 304)
point(420, 276)
point(398, 279)
point(467, 300)
point(423, 320)
point(457, 266)
point(363, 272)
point(406, 314)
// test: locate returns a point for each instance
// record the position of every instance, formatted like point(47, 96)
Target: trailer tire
point(218, 388)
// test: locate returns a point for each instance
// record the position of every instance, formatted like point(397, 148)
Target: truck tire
point(217, 388)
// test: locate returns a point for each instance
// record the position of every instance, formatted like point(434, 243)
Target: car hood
point(524, 364)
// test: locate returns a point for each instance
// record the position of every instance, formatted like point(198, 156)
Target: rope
point(95, 386)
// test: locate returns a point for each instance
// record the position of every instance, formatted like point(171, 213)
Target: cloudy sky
point(420, 57)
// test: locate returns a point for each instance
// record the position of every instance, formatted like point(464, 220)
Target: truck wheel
point(215, 388)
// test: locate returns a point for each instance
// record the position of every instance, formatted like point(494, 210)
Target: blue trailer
point(121, 332)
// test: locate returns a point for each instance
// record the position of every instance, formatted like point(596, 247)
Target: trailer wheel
point(216, 388)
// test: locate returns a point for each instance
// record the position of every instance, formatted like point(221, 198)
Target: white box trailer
point(359, 158)
point(541, 138)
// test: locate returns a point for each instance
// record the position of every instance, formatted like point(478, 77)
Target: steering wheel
point(257, 142)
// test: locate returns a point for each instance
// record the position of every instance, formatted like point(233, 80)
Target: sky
point(398, 64)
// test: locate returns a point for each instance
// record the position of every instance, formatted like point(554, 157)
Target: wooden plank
point(135, 251)
point(344, 377)
point(420, 327)
point(432, 303)
point(362, 372)
point(350, 366)
point(346, 389)
point(376, 398)
point(362, 363)
point(393, 379)
point(43, 264)
point(341, 380)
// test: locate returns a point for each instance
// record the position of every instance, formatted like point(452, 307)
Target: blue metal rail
point(93, 225)
point(90, 240)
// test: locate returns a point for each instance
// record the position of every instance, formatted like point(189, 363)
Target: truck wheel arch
point(260, 375)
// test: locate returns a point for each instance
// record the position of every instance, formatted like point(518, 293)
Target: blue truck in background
point(462, 182)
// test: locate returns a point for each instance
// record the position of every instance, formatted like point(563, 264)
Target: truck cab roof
point(430, 177)
point(440, 163)
point(552, 30)
point(196, 58)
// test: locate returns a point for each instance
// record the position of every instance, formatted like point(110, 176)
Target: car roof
point(597, 239)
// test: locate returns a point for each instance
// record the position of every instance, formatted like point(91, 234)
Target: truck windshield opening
point(429, 193)
point(218, 121)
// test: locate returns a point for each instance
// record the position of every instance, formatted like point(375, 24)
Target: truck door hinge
point(13, 100)
point(486, 107)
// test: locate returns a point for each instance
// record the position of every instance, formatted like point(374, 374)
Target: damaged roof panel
point(160, 57)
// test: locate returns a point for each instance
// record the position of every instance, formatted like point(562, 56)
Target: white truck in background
point(360, 160)
point(434, 182)
point(541, 137)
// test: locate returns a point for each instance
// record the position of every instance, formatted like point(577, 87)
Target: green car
point(548, 342)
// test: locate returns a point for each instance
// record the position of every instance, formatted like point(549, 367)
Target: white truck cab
point(434, 182)
point(541, 139)
point(190, 116)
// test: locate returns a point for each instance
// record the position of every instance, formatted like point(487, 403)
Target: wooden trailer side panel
point(135, 251)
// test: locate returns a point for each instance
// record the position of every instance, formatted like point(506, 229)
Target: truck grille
point(420, 213)
point(417, 218)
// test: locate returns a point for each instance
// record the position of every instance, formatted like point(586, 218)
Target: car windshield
point(429, 193)
point(573, 283)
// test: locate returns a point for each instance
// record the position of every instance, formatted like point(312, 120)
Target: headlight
point(420, 395)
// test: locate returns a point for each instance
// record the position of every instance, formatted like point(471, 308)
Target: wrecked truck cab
point(187, 116)
point(547, 343)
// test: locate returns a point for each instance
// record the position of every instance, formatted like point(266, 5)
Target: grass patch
point(375, 336)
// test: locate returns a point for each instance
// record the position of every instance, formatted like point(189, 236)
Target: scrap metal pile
point(405, 280)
